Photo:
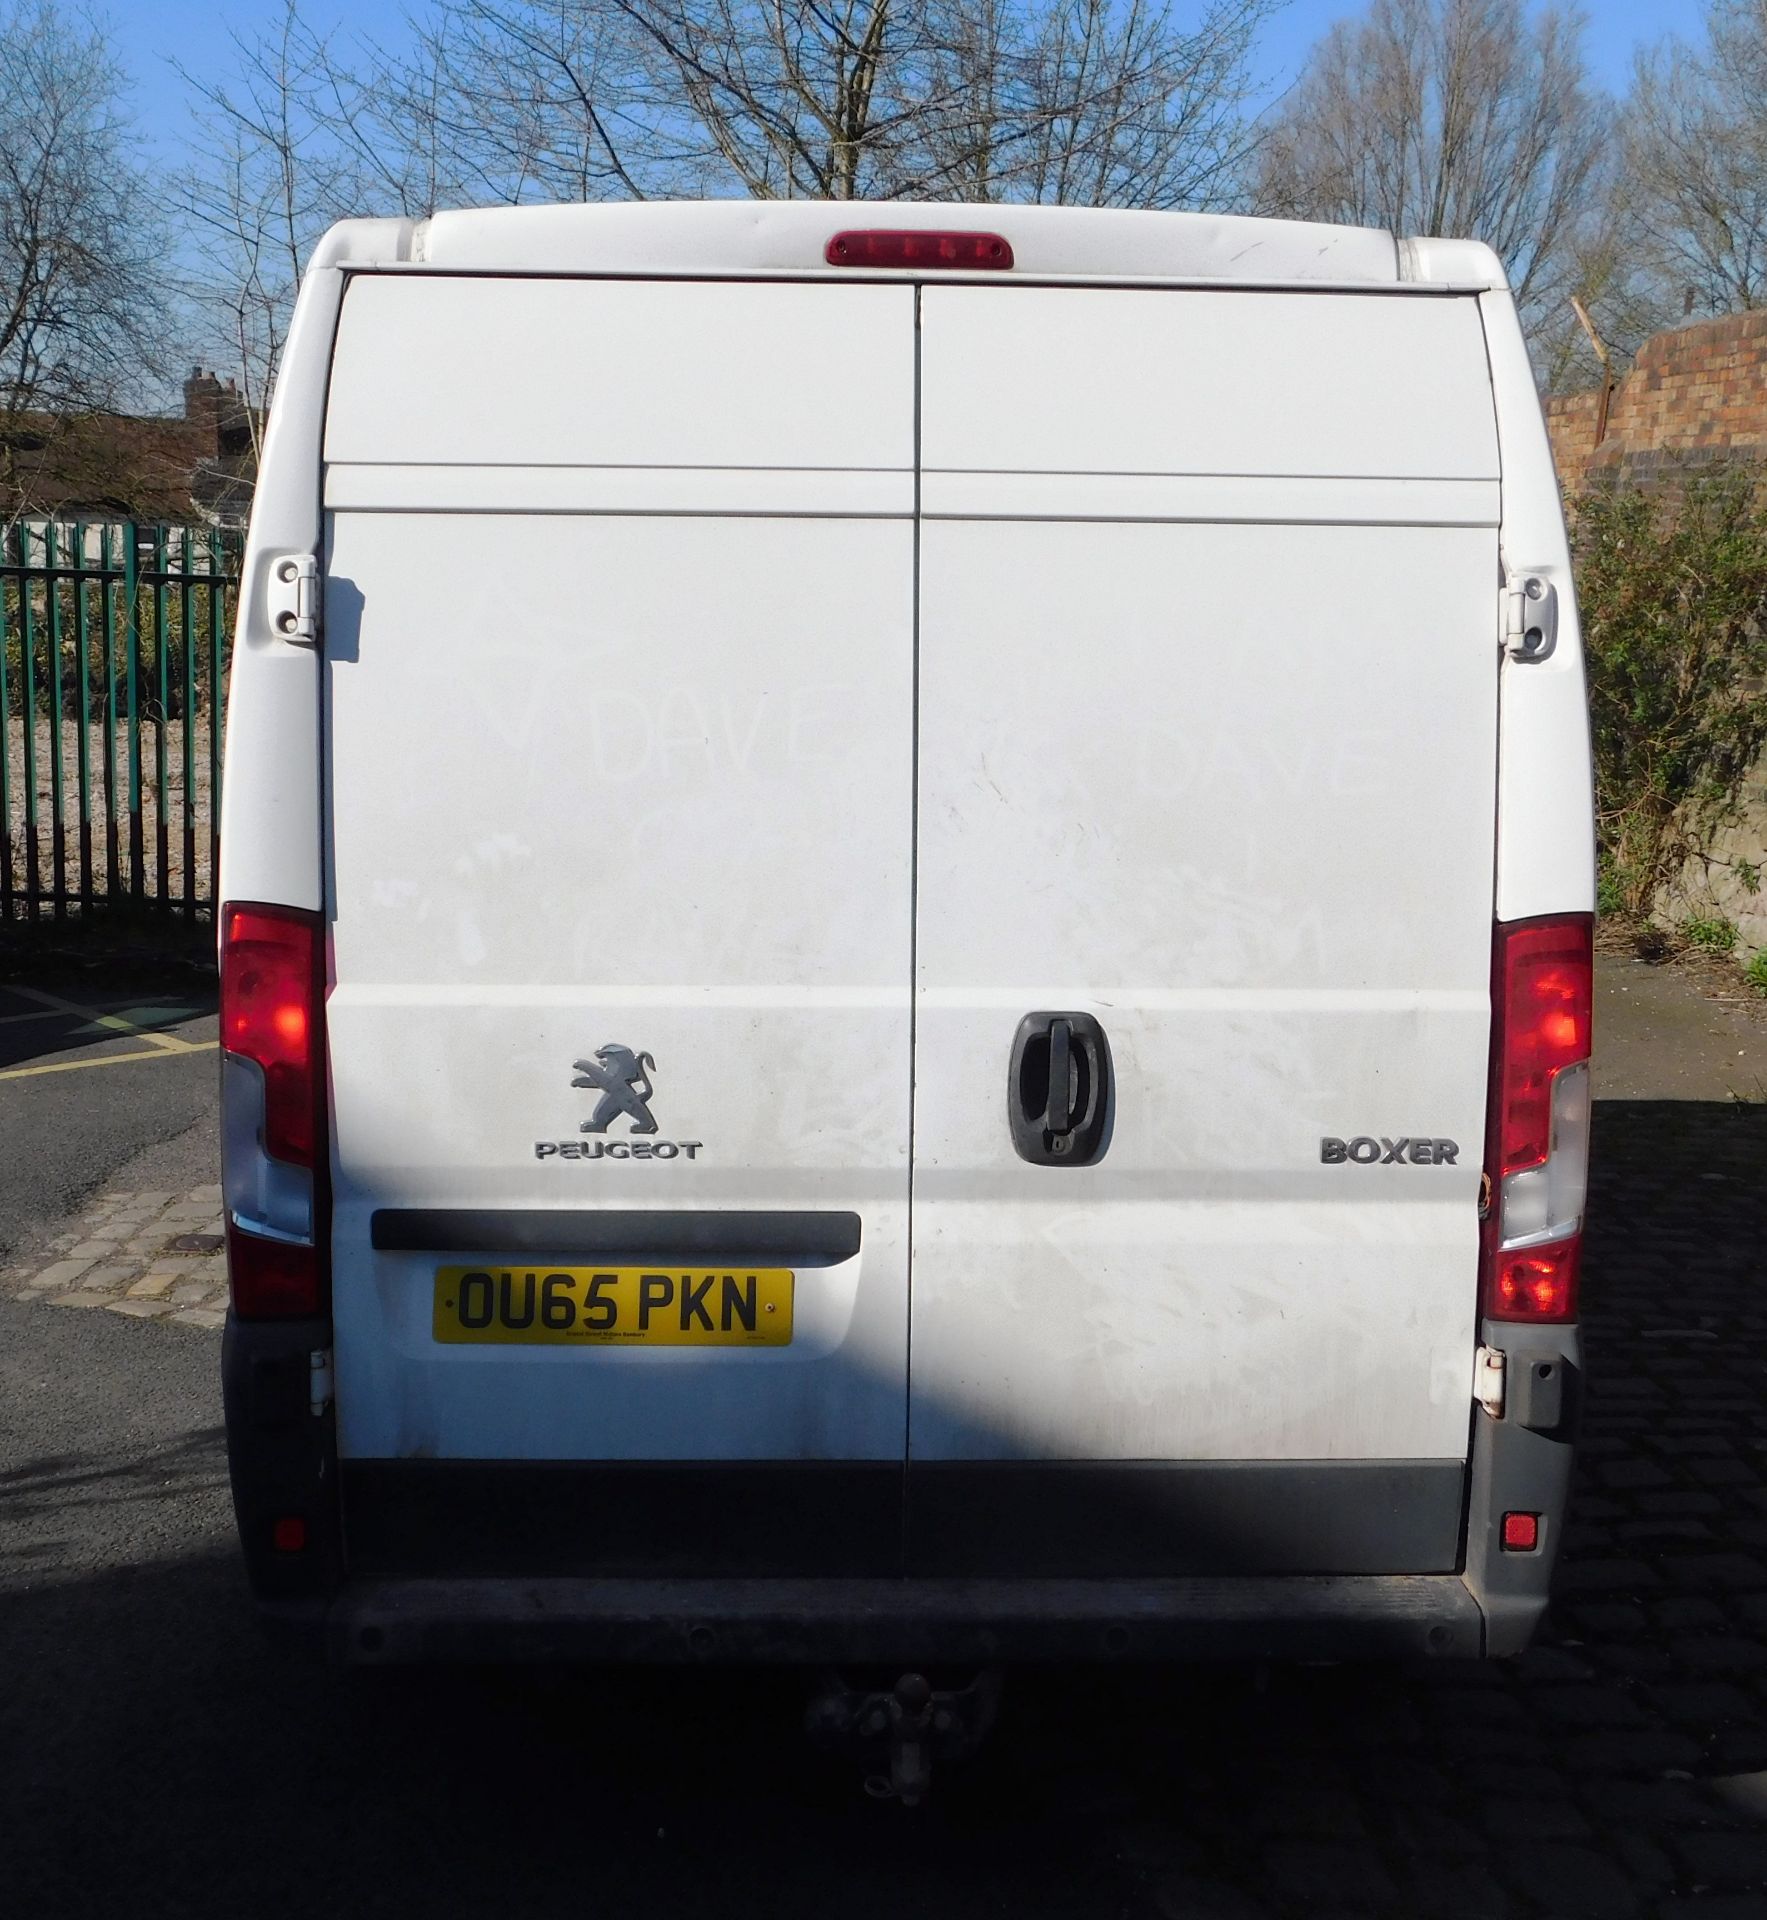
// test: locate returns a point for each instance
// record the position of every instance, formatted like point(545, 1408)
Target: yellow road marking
point(110, 1059)
point(115, 1021)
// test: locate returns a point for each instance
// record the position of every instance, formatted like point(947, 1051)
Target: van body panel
point(1205, 813)
point(1266, 978)
point(1545, 784)
point(1334, 386)
point(616, 786)
point(272, 830)
point(780, 236)
point(629, 373)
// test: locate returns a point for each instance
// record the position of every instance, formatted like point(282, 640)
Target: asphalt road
point(98, 1079)
point(157, 1756)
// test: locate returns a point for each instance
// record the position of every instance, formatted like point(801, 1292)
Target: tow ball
point(898, 1731)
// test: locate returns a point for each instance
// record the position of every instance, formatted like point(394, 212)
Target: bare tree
point(1091, 103)
point(1076, 101)
point(279, 158)
point(1696, 164)
point(82, 314)
point(1453, 117)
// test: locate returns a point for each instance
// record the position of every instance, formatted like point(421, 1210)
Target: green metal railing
point(114, 641)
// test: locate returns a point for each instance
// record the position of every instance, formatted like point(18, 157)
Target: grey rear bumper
point(865, 1621)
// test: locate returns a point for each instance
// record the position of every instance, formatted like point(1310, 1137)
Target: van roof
point(780, 236)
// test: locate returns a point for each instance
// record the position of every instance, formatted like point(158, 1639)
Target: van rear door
point(618, 763)
point(1208, 683)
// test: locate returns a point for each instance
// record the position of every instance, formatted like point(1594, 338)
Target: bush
point(1673, 593)
point(1755, 973)
point(1710, 935)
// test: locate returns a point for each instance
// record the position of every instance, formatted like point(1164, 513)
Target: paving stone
point(1605, 1576)
point(79, 1299)
point(1683, 1612)
point(1617, 1618)
point(1722, 1652)
point(109, 1275)
point(63, 1273)
point(1626, 1750)
point(1568, 1882)
point(1589, 1706)
point(1724, 1859)
point(1320, 1810)
point(1551, 1663)
point(151, 1285)
point(1189, 1896)
point(1696, 1704)
point(1639, 1803)
point(1329, 1872)
point(139, 1309)
point(1533, 1817)
point(200, 1317)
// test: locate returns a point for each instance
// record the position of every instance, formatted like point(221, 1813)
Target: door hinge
point(319, 1380)
point(1488, 1379)
point(1530, 616)
point(294, 597)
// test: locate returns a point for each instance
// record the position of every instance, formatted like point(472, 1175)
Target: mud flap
point(1521, 1463)
point(282, 1462)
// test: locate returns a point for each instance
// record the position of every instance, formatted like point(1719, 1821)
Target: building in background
point(113, 466)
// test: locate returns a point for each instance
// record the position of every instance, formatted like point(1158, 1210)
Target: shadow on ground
point(160, 1758)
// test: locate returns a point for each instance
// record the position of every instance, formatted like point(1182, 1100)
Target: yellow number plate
point(614, 1306)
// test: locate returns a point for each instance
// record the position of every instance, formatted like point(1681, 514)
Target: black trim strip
point(606, 1518)
point(1160, 1519)
point(438, 1519)
point(605, 1232)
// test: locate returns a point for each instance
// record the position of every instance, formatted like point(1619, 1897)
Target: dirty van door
point(1208, 659)
point(619, 657)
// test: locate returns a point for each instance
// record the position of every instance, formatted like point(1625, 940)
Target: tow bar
point(898, 1731)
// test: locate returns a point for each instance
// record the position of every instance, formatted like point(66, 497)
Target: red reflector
point(271, 1280)
point(1537, 1283)
point(289, 1534)
point(1521, 1532)
point(1545, 981)
point(271, 988)
point(878, 247)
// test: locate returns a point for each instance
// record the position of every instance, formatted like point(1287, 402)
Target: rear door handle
point(1058, 1089)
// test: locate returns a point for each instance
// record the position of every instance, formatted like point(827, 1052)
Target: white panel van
point(906, 943)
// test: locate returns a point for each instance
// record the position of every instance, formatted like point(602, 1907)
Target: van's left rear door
point(619, 739)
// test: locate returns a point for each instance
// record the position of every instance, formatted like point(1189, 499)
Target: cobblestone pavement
point(149, 1256)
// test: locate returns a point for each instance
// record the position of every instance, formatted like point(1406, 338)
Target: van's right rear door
point(1209, 646)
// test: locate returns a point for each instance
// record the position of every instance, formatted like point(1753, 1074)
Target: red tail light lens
point(274, 1279)
point(1537, 1160)
point(1537, 1283)
point(1545, 986)
point(951, 251)
point(272, 986)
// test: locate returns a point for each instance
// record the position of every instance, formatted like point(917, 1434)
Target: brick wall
point(1694, 395)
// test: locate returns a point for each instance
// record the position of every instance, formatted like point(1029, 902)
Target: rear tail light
point(937, 250)
point(1537, 1163)
point(273, 1146)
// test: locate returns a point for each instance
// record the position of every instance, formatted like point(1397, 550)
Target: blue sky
point(146, 32)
